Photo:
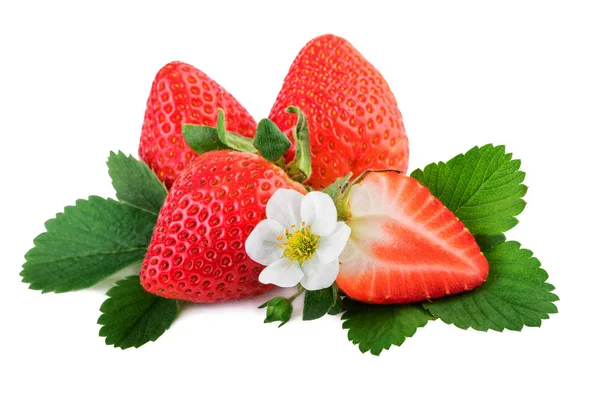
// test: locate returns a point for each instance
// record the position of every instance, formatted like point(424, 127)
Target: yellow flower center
point(300, 244)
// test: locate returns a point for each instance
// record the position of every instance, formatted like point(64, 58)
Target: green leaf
point(233, 140)
point(482, 187)
point(202, 139)
point(318, 302)
point(87, 243)
point(377, 327)
point(135, 183)
point(270, 141)
point(487, 242)
point(515, 294)
point(132, 317)
point(300, 168)
point(278, 309)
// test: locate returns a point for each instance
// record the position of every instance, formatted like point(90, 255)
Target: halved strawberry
point(405, 245)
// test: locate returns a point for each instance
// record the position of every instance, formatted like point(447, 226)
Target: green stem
point(298, 293)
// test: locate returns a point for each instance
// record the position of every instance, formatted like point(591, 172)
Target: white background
point(74, 80)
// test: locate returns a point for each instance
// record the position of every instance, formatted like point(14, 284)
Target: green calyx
point(339, 191)
point(269, 141)
point(300, 168)
point(278, 309)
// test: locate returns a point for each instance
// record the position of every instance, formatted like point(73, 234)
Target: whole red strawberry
point(197, 250)
point(183, 94)
point(353, 118)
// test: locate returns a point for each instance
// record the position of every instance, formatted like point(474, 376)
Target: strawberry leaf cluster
point(96, 238)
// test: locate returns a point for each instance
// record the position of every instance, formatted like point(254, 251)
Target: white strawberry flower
point(300, 241)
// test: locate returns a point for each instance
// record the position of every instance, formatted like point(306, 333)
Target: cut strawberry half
point(405, 245)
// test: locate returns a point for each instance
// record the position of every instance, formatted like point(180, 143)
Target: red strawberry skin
point(353, 117)
point(405, 245)
point(197, 250)
point(182, 94)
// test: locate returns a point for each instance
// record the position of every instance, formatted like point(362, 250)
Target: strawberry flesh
point(405, 245)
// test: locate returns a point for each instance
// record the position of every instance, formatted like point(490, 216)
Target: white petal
point(319, 212)
point(284, 207)
point(262, 242)
point(283, 272)
point(318, 275)
point(330, 247)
